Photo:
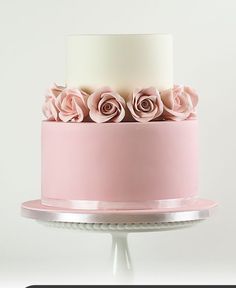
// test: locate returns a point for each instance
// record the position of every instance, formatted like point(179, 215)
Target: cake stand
point(119, 224)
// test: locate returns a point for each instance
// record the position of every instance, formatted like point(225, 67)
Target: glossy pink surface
point(122, 162)
point(197, 205)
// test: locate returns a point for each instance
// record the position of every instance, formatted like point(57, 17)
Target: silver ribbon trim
point(112, 205)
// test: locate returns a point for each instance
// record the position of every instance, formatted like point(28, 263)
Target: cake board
point(119, 224)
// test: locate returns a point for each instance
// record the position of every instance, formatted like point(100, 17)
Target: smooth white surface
point(31, 57)
point(120, 61)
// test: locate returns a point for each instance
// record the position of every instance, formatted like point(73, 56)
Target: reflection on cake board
point(197, 210)
point(119, 224)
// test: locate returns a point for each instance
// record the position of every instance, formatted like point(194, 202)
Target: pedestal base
point(119, 224)
point(122, 268)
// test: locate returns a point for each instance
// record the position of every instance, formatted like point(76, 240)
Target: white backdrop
point(32, 53)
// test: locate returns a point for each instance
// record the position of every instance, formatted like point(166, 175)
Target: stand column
point(122, 267)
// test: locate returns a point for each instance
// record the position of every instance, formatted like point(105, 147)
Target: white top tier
point(120, 61)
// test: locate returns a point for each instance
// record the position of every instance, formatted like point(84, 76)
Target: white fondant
point(120, 61)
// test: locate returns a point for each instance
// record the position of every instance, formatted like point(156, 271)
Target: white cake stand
point(119, 224)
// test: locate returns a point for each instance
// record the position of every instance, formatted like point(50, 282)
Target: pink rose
point(179, 103)
point(55, 90)
point(145, 104)
point(106, 105)
point(50, 110)
point(72, 105)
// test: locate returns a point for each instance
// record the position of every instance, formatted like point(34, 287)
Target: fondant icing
point(134, 163)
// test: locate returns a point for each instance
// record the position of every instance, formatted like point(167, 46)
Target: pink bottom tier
point(119, 165)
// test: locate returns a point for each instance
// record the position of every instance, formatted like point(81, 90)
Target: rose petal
point(167, 97)
point(66, 118)
point(80, 107)
point(46, 111)
point(95, 97)
point(104, 98)
point(192, 116)
point(120, 115)
point(149, 91)
point(193, 95)
point(169, 114)
point(98, 117)
point(49, 110)
point(55, 90)
point(113, 107)
point(53, 109)
point(150, 105)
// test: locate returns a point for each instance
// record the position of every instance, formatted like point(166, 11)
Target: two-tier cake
point(119, 136)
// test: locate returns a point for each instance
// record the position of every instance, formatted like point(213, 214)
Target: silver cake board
point(199, 209)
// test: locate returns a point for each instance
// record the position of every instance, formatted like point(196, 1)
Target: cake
point(119, 135)
point(91, 160)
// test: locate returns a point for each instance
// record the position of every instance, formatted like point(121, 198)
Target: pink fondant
point(119, 161)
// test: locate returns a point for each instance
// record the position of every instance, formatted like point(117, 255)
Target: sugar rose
point(106, 105)
point(72, 105)
point(65, 104)
point(145, 104)
point(179, 103)
point(50, 110)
